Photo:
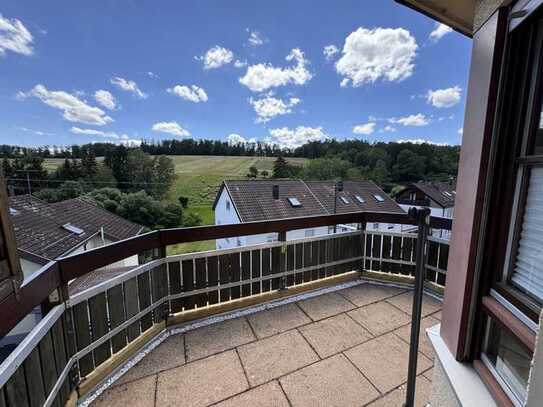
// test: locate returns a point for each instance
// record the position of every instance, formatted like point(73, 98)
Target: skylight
point(447, 194)
point(13, 211)
point(74, 229)
point(344, 200)
point(378, 198)
point(294, 202)
point(359, 199)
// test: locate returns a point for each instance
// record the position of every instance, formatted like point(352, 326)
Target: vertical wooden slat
point(246, 273)
point(369, 251)
point(158, 290)
point(387, 249)
point(255, 270)
point(48, 364)
point(99, 324)
point(235, 259)
point(115, 304)
point(275, 266)
point(299, 263)
point(407, 255)
point(213, 278)
point(2, 399)
point(396, 254)
point(131, 306)
point(61, 359)
point(144, 295)
point(314, 259)
point(376, 252)
point(224, 276)
point(187, 270)
point(16, 390)
point(266, 269)
point(290, 264)
point(34, 379)
point(201, 281)
point(322, 257)
point(174, 271)
point(83, 335)
point(307, 261)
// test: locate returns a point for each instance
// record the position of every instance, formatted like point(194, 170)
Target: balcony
point(304, 322)
point(345, 346)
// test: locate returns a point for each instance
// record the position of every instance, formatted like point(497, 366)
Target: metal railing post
point(422, 216)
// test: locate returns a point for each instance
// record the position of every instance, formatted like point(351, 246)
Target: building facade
point(257, 200)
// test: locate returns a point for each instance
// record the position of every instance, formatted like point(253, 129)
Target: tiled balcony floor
point(346, 348)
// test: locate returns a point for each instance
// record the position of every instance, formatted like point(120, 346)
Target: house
point(259, 200)
point(437, 196)
point(45, 231)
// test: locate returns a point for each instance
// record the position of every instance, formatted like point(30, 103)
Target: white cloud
point(292, 138)
point(216, 57)
point(439, 31)
point(14, 37)
point(411, 120)
point(130, 142)
point(235, 139)
point(256, 39)
point(170, 128)
point(329, 51)
point(366, 128)
point(73, 108)
point(193, 94)
point(93, 132)
point(261, 77)
point(128, 86)
point(38, 132)
point(268, 107)
point(152, 75)
point(106, 99)
point(444, 97)
point(461, 131)
point(422, 141)
point(240, 64)
point(388, 129)
point(380, 53)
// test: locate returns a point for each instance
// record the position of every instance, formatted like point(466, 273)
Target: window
point(344, 200)
point(294, 202)
point(360, 199)
point(309, 232)
point(376, 226)
point(73, 229)
point(447, 194)
point(378, 198)
point(227, 205)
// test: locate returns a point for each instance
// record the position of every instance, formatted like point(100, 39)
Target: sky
point(283, 72)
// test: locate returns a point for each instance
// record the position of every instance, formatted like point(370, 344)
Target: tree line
point(126, 181)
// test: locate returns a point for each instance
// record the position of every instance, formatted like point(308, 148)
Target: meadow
point(198, 178)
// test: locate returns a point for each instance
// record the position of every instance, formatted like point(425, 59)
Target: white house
point(45, 231)
point(436, 196)
point(258, 200)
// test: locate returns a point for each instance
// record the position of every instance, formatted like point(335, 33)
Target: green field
point(199, 178)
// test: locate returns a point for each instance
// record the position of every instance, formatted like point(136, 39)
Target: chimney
point(276, 191)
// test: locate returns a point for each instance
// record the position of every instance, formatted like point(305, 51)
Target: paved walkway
point(347, 348)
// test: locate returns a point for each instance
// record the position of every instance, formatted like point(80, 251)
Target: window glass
point(528, 265)
point(538, 145)
point(510, 360)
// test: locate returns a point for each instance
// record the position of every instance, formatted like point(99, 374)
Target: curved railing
point(84, 337)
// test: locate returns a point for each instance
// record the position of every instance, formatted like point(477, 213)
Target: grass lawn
point(199, 178)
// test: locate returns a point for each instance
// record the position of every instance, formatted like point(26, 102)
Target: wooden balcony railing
point(84, 337)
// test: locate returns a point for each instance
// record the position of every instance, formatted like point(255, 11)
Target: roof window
point(294, 202)
point(378, 198)
point(344, 200)
point(359, 199)
point(73, 229)
point(13, 211)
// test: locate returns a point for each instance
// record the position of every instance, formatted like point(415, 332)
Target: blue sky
point(77, 72)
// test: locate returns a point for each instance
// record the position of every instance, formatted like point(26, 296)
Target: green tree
point(164, 176)
point(265, 173)
point(253, 172)
point(380, 174)
point(281, 169)
point(326, 169)
point(409, 167)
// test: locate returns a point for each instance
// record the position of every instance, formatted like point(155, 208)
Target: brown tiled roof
point(441, 192)
point(39, 228)
point(253, 199)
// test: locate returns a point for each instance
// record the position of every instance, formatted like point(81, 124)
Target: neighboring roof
point(443, 193)
point(253, 199)
point(458, 14)
point(39, 227)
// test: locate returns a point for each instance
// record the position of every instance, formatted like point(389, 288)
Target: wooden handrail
point(52, 276)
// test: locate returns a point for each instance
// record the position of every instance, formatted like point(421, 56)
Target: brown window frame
point(520, 101)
